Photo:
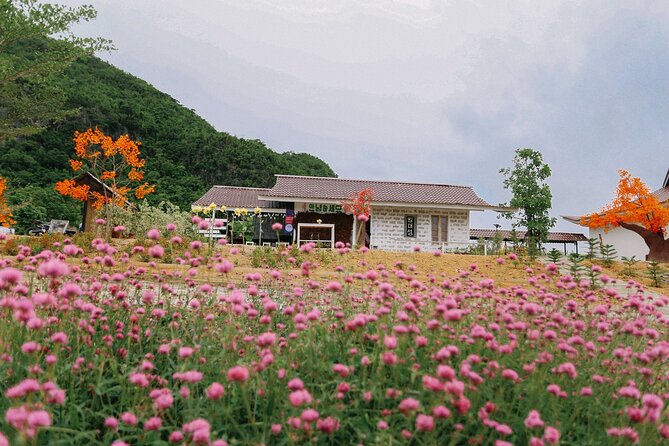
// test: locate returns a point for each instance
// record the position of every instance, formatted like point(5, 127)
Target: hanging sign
point(289, 228)
point(322, 208)
point(410, 226)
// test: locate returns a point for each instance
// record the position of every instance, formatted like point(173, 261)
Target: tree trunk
point(657, 244)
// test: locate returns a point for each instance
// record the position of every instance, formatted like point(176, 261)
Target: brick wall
point(388, 229)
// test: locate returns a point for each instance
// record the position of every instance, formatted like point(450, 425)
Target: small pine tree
point(554, 255)
point(608, 253)
point(575, 264)
point(629, 265)
point(593, 248)
point(656, 274)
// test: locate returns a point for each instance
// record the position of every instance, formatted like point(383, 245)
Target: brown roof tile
point(235, 197)
point(289, 186)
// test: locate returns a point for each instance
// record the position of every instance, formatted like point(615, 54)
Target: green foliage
point(185, 154)
point(593, 248)
point(656, 274)
point(629, 263)
point(140, 219)
point(576, 266)
point(33, 203)
point(554, 255)
point(608, 253)
point(36, 45)
point(531, 195)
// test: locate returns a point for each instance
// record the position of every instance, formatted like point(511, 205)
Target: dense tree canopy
point(185, 154)
point(531, 194)
point(36, 45)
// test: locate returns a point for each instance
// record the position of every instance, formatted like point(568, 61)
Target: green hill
point(185, 154)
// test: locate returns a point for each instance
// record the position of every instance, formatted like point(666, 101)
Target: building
point(403, 215)
point(626, 243)
point(234, 198)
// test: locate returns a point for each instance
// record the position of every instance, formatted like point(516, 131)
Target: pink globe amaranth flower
point(238, 374)
point(185, 352)
point(277, 226)
point(30, 347)
point(10, 276)
point(111, 422)
point(295, 384)
point(309, 415)
point(156, 251)
point(341, 370)
point(382, 425)
point(266, 339)
point(171, 227)
point(153, 234)
point(190, 376)
point(441, 412)
point(119, 443)
point(424, 423)
point(39, 418)
point(219, 442)
point(176, 437)
point(3, 439)
point(551, 435)
point(276, 429)
point(299, 398)
point(408, 405)
point(327, 425)
point(53, 268)
point(224, 266)
point(215, 391)
point(534, 420)
point(334, 286)
point(586, 391)
point(510, 374)
point(56, 396)
point(100, 221)
point(129, 418)
point(153, 424)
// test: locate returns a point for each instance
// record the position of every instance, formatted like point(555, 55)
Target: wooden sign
point(410, 226)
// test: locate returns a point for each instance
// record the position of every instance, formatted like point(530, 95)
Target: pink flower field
point(98, 348)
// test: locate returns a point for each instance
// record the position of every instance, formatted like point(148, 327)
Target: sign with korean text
point(322, 208)
point(410, 226)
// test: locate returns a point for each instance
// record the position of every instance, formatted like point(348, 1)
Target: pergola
point(507, 236)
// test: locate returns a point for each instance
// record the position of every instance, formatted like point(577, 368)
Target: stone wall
point(388, 229)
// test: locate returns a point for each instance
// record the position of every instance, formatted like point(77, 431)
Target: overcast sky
point(419, 90)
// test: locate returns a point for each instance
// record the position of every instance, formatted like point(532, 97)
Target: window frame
point(442, 228)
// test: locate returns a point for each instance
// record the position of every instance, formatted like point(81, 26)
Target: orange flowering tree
point(6, 219)
point(116, 163)
point(360, 205)
point(635, 208)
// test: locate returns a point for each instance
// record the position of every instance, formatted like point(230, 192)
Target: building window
point(439, 228)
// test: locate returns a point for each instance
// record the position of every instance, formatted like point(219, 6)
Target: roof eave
point(573, 219)
point(391, 203)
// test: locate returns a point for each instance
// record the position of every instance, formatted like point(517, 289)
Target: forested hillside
point(185, 154)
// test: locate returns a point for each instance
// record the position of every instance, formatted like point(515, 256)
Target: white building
point(403, 215)
point(627, 243)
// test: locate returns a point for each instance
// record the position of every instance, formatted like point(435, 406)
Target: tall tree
point(531, 194)
point(635, 208)
point(36, 44)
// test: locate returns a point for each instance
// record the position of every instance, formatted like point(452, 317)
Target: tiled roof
point(553, 237)
point(236, 197)
point(662, 194)
point(289, 186)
